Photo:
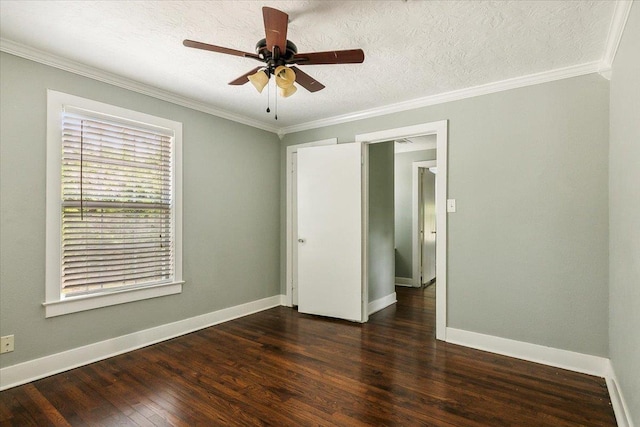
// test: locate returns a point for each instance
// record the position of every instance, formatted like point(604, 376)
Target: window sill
point(90, 302)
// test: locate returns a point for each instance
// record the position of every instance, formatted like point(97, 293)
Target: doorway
point(439, 129)
point(424, 222)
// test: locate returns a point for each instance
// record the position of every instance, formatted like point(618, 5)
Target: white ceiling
point(413, 49)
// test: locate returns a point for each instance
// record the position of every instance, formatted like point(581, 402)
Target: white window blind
point(117, 203)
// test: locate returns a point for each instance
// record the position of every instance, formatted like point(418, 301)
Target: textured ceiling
point(413, 49)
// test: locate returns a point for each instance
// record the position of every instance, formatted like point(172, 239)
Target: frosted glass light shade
point(285, 77)
point(286, 92)
point(259, 80)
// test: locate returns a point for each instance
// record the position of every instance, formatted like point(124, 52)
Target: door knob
point(301, 240)
point(433, 232)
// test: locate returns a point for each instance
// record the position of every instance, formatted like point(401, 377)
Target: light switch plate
point(451, 205)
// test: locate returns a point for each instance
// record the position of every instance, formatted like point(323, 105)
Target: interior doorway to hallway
point(439, 130)
point(424, 222)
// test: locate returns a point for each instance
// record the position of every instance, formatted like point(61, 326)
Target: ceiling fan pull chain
point(276, 96)
point(268, 98)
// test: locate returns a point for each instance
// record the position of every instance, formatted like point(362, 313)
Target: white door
point(330, 231)
point(428, 224)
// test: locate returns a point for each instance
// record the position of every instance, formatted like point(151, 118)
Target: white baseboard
point(577, 362)
point(620, 408)
point(379, 304)
point(283, 301)
point(32, 370)
point(404, 281)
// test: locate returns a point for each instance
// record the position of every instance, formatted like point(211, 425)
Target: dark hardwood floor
point(282, 368)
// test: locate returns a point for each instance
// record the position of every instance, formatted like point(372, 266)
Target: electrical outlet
point(6, 344)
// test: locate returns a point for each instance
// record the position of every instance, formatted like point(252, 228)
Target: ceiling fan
point(280, 57)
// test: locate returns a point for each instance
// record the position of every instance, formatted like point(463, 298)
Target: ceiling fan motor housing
point(275, 59)
point(276, 51)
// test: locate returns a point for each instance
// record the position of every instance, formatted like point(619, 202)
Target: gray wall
point(380, 256)
point(624, 215)
point(528, 246)
point(403, 206)
point(231, 215)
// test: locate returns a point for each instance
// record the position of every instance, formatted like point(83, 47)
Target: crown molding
point(64, 64)
point(618, 22)
point(456, 95)
point(603, 67)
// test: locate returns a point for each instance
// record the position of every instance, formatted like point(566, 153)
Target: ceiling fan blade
point(275, 27)
point(306, 81)
point(219, 49)
point(244, 78)
point(352, 56)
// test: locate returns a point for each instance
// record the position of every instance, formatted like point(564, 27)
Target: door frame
point(290, 243)
point(440, 129)
point(415, 217)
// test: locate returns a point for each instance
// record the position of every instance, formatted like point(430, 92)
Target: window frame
point(56, 303)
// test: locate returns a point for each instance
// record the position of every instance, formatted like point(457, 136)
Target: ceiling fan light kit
point(259, 80)
point(286, 92)
point(281, 56)
point(284, 80)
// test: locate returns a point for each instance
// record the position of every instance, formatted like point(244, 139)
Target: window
point(113, 205)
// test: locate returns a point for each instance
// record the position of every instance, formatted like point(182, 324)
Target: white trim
point(513, 83)
point(55, 303)
point(283, 300)
point(618, 402)
point(564, 359)
point(289, 220)
point(32, 370)
point(578, 362)
point(440, 129)
point(381, 303)
point(404, 281)
point(364, 240)
point(616, 29)
point(415, 199)
point(92, 301)
point(61, 63)
point(64, 64)
point(421, 129)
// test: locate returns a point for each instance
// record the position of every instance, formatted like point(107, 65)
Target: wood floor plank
point(280, 367)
